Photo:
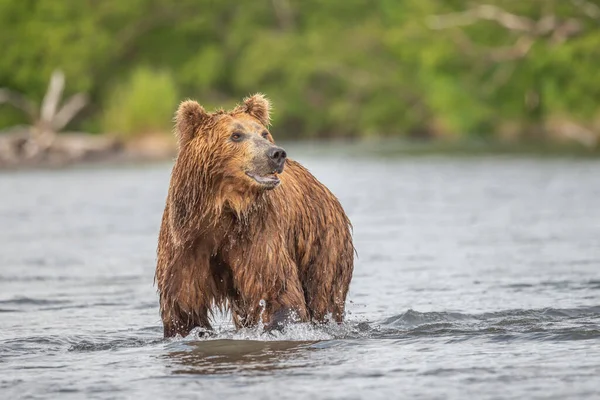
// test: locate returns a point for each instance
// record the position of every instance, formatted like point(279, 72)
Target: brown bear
point(246, 229)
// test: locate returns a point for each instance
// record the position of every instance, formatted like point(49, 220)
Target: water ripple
point(541, 324)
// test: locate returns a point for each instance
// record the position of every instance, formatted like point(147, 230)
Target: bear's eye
point(236, 136)
point(265, 134)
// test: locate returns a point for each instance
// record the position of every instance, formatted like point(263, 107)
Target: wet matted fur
point(229, 241)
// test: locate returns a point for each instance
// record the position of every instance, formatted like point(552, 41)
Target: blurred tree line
point(427, 68)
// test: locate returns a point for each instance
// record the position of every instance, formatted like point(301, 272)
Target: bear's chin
point(268, 182)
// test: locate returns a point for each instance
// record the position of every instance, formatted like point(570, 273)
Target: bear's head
point(233, 149)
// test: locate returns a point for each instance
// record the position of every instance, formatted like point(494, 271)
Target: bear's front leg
point(186, 289)
point(177, 321)
point(268, 288)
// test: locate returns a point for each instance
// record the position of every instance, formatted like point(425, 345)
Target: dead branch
point(68, 111)
point(580, 134)
point(514, 52)
point(546, 25)
point(52, 97)
point(482, 12)
point(18, 101)
point(494, 54)
point(41, 134)
point(588, 8)
point(567, 29)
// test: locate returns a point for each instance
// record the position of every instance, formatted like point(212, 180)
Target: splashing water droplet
point(263, 304)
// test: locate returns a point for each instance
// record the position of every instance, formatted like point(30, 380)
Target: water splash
point(300, 332)
point(536, 324)
point(263, 305)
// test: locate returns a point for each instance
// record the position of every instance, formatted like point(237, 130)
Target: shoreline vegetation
point(444, 75)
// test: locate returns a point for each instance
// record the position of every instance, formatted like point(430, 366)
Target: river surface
point(476, 278)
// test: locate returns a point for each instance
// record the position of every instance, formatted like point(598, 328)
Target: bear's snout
point(277, 157)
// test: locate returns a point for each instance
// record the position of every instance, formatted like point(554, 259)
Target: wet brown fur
point(226, 242)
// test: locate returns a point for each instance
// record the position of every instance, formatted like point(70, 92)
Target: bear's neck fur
point(204, 202)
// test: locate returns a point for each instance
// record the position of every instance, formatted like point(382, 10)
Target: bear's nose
point(277, 155)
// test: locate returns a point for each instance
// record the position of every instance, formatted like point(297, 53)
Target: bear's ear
point(189, 119)
point(259, 107)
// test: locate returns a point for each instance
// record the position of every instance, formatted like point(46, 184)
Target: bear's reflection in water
point(226, 356)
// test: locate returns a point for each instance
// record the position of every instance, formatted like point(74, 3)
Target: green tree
point(431, 68)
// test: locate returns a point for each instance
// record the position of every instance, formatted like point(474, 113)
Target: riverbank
point(18, 151)
point(82, 149)
point(395, 147)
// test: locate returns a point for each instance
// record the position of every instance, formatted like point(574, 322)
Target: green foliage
point(336, 67)
point(144, 104)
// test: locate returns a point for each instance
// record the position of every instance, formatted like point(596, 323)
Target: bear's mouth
point(270, 180)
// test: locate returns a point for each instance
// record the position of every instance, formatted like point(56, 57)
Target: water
point(476, 278)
